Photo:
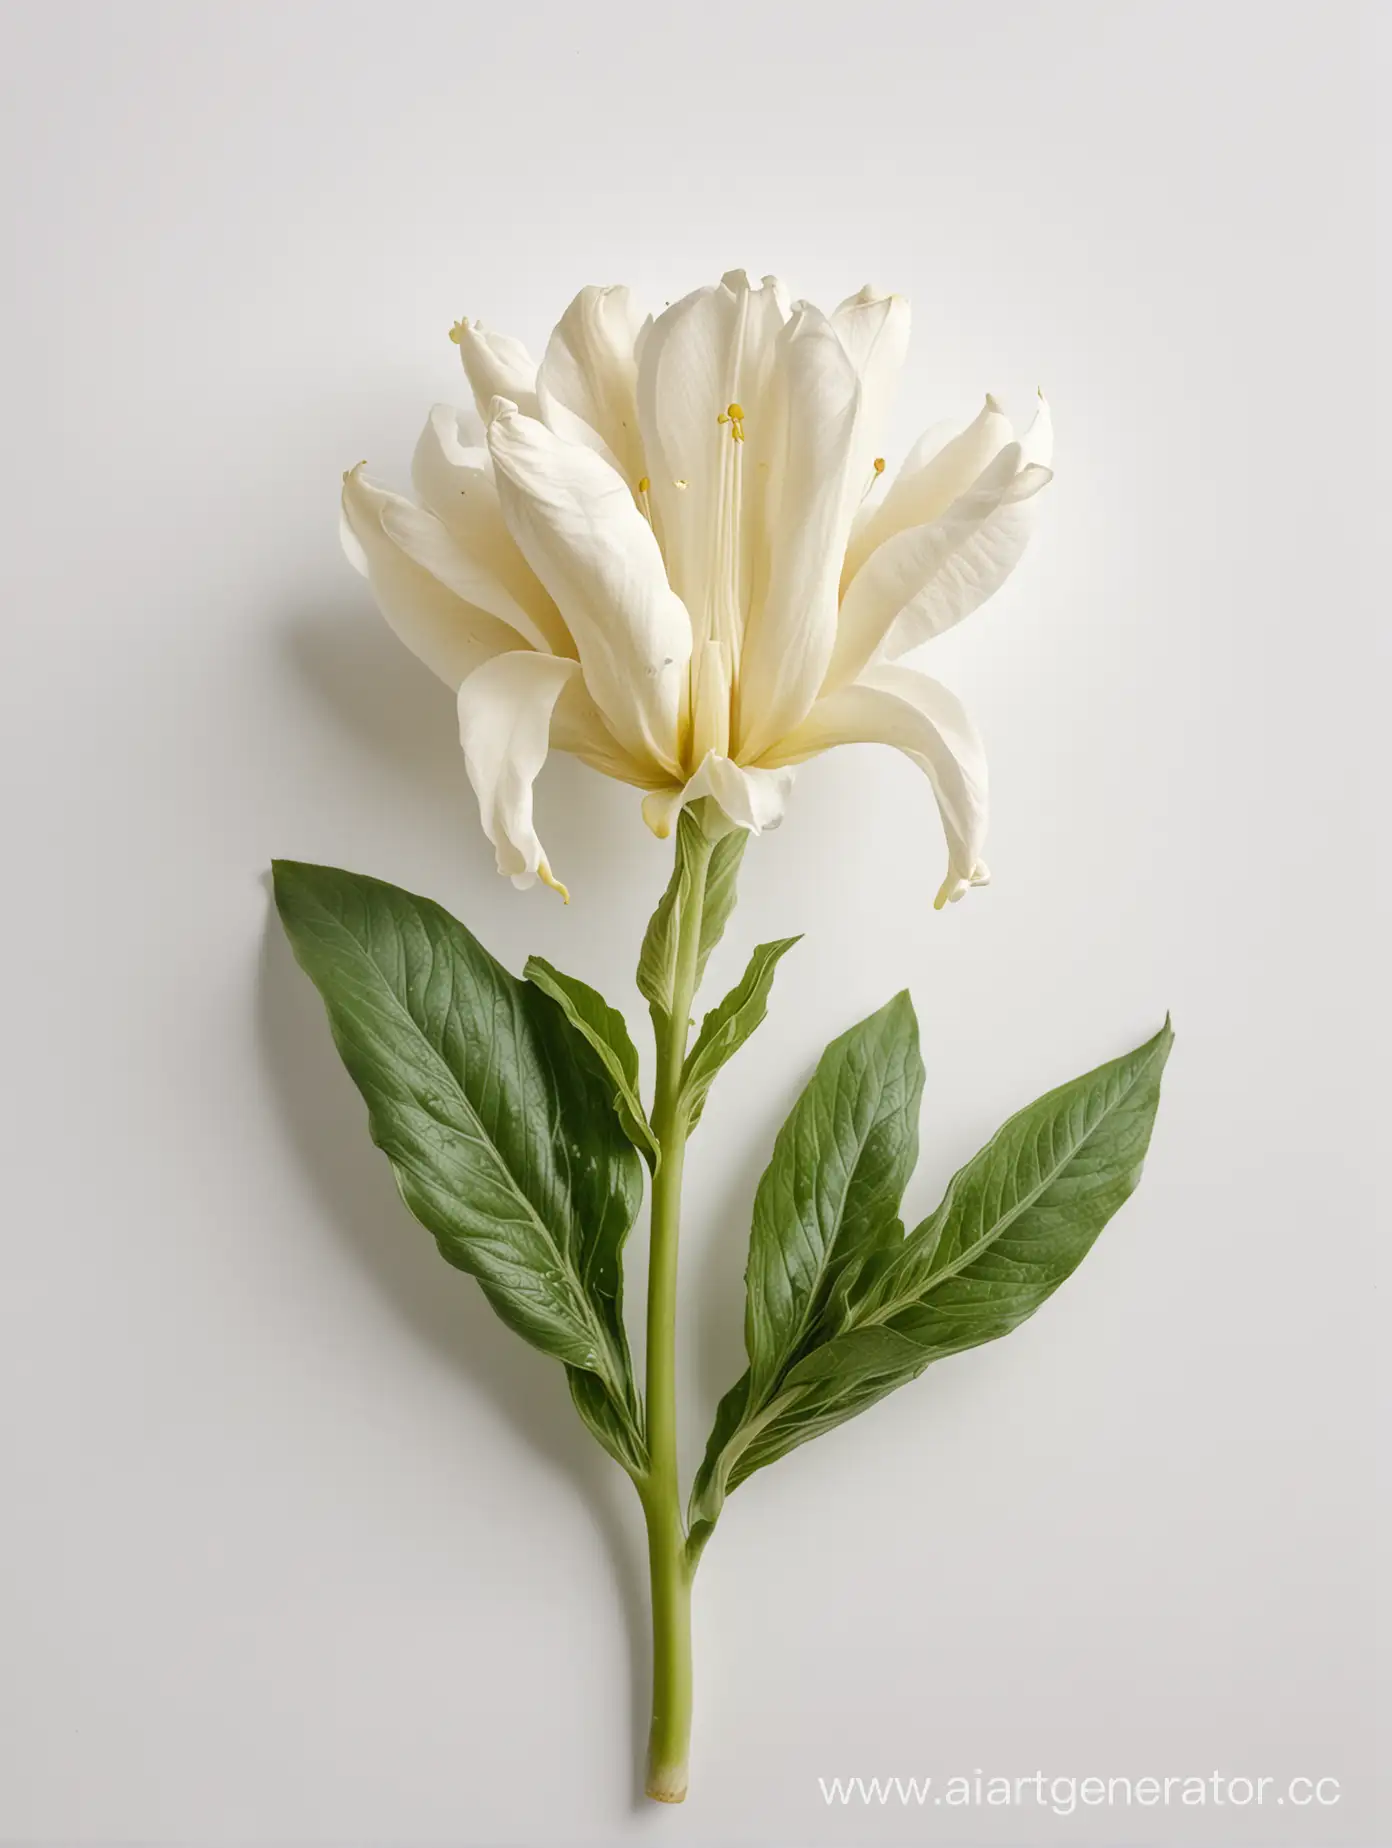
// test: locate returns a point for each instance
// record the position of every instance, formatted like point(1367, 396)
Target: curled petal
point(578, 528)
point(1037, 444)
point(505, 710)
point(482, 562)
point(754, 799)
point(927, 578)
point(451, 635)
point(587, 385)
point(792, 630)
point(942, 465)
point(496, 366)
point(929, 724)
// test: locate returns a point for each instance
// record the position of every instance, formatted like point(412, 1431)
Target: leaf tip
point(284, 874)
point(902, 1003)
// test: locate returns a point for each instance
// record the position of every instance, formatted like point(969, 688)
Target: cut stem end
point(667, 1783)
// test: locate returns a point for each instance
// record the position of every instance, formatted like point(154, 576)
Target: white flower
point(670, 557)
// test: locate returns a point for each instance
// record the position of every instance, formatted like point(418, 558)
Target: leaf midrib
point(1002, 1225)
point(437, 1061)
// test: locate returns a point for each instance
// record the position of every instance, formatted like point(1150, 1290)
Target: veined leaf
point(657, 960)
point(829, 1197)
point(1013, 1225)
point(839, 1169)
point(605, 1031)
point(1024, 1212)
point(503, 1140)
point(729, 1024)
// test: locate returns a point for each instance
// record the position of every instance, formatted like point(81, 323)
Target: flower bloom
point(671, 557)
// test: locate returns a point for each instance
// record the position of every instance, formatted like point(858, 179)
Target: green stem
point(669, 1740)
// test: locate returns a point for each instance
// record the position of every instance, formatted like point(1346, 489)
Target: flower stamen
point(733, 414)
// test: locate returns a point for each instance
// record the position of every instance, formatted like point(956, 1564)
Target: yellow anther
point(454, 332)
point(879, 465)
point(735, 413)
point(644, 484)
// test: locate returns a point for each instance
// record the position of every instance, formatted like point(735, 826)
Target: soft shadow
point(360, 677)
point(326, 1127)
point(373, 689)
point(357, 674)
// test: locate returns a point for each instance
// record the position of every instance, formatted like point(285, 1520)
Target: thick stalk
point(669, 1739)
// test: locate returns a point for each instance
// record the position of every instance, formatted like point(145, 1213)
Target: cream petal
point(587, 385)
point(924, 580)
point(505, 710)
point(1037, 444)
point(938, 469)
point(582, 535)
point(714, 348)
point(874, 330)
point(928, 723)
point(753, 799)
point(496, 366)
point(456, 483)
point(450, 635)
point(792, 628)
point(934, 438)
point(577, 726)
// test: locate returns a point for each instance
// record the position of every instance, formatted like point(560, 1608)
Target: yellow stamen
point(456, 331)
point(876, 470)
point(643, 484)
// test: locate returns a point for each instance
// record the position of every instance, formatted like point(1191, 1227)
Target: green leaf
point(839, 1169)
point(615, 1424)
point(1013, 1225)
point(718, 900)
point(605, 1031)
point(829, 1196)
point(657, 960)
point(729, 1024)
point(503, 1140)
point(1022, 1214)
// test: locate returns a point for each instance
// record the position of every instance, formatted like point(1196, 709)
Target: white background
point(297, 1543)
